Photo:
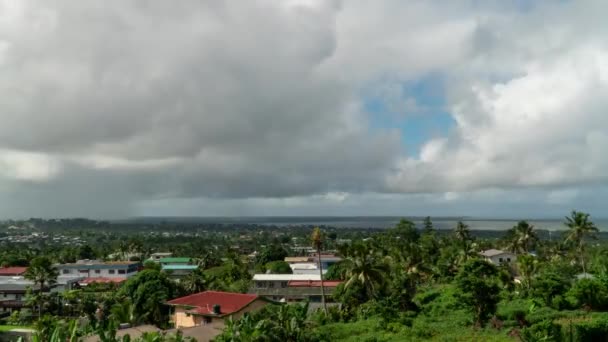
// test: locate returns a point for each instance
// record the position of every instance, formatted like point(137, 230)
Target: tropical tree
point(528, 267)
point(522, 238)
point(149, 290)
point(580, 227)
point(42, 272)
point(364, 266)
point(479, 288)
point(428, 225)
point(317, 242)
point(123, 312)
point(462, 233)
point(194, 282)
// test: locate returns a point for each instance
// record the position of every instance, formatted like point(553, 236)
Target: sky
point(113, 109)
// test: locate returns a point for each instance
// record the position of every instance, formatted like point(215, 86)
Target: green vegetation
point(406, 283)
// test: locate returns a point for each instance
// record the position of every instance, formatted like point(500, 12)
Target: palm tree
point(365, 267)
point(522, 237)
point(42, 273)
point(194, 282)
point(462, 233)
point(527, 266)
point(123, 312)
point(317, 242)
point(580, 227)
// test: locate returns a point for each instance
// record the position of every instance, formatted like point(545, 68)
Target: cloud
point(111, 108)
point(542, 126)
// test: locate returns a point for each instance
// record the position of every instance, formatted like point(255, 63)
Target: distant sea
point(369, 221)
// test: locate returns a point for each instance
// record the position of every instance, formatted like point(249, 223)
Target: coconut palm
point(580, 227)
point(522, 238)
point(364, 266)
point(462, 233)
point(317, 242)
point(194, 282)
point(42, 272)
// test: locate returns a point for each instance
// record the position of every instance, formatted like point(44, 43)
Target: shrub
point(543, 331)
point(589, 293)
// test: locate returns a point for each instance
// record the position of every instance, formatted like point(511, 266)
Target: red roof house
point(12, 271)
point(212, 306)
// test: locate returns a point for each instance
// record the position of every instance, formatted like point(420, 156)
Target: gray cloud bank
point(114, 108)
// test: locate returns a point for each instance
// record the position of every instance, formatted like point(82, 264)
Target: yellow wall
point(183, 320)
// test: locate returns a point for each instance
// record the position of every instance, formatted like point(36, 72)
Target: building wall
point(103, 273)
point(502, 258)
point(183, 320)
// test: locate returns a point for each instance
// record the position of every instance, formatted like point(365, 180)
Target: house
point(160, 255)
point(99, 269)
point(276, 286)
point(178, 271)
point(212, 307)
point(306, 268)
point(310, 290)
point(498, 257)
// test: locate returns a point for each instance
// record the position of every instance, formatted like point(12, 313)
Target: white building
point(306, 268)
point(270, 281)
point(498, 257)
point(98, 269)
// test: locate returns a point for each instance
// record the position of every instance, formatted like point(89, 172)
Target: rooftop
point(12, 271)
point(175, 260)
point(203, 302)
point(492, 252)
point(286, 277)
point(179, 267)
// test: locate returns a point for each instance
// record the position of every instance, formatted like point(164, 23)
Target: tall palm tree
point(317, 242)
point(580, 227)
point(462, 233)
point(522, 238)
point(42, 272)
point(366, 267)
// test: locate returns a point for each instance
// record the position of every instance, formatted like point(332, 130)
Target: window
point(5, 295)
point(508, 259)
point(83, 271)
point(260, 284)
point(122, 272)
point(499, 259)
point(66, 271)
point(97, 271)
point(112, 271)
point(271, 284)
point(283, 284)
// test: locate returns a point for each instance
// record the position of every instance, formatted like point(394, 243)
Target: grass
point(4, 328)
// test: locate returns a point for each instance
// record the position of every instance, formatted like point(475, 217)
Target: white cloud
point(260, 102)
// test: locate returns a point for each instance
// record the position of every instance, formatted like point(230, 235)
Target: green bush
point(543, 331)
point(589, 293)
point(590, 330)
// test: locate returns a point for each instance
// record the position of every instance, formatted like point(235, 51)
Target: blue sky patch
point(416, 108)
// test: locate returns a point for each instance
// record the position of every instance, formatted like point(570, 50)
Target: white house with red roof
point(212, 307)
